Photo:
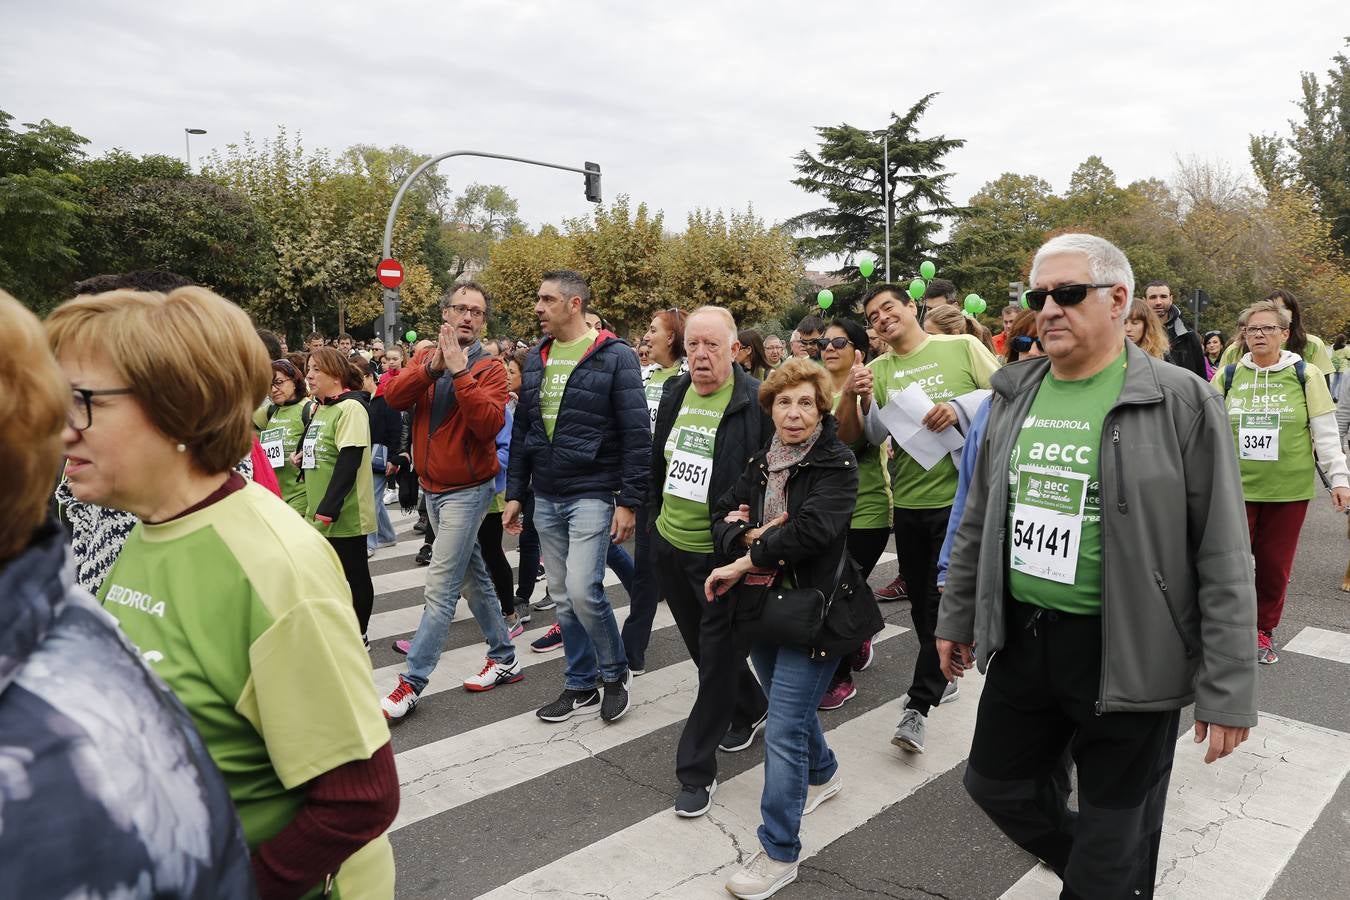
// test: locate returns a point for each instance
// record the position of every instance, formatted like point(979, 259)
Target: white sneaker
point(763, 876)
point(390, 496)
point(817, 794)
point(400, 702)
point(492, 674)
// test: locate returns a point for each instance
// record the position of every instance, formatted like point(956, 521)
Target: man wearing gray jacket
point(1103, 558)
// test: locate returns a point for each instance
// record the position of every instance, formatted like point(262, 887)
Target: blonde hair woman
point(1143, 327)
point(237, 602)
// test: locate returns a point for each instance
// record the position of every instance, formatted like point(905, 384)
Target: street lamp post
point(885, 136)
point(187, 144)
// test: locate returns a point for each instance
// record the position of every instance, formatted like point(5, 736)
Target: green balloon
point(927, 269)
point(975, 304)
point(411, 336)
point(916, 289)
point(825, 298)
point(866, 267)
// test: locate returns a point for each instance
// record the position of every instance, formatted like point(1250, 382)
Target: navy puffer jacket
point(601, 443)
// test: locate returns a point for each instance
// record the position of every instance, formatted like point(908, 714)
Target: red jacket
point(461, 450)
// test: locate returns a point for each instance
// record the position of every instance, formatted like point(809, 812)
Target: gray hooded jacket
point(1178, 599)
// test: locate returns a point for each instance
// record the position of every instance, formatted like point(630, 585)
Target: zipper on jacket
point(1122, 506)
point(1176, 623)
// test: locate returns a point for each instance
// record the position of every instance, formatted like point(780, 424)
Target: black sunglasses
point(838, 343)
point(1064, 295)
point(1024, 342)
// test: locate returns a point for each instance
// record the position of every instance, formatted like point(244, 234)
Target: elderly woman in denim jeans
point(786, 520)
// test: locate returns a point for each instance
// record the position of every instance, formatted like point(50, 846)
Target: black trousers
point(490, 543)
point(919, 534)
point(637, 628)
point(529, 550)
point(727, 693)
point(1039, 699)
point(351, 552)
point(865, 545)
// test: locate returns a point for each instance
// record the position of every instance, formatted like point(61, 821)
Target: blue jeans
point(455, 555)
point(795, 752)
point(574, 539)
point(384, 529)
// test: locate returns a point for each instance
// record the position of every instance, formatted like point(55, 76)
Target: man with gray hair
point(1103, 555)
point(708, 422)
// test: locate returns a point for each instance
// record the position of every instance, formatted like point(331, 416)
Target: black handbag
point(785, 617)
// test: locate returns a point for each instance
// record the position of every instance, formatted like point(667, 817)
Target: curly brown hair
point(792, 373)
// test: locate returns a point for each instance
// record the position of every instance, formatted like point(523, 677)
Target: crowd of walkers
point(1068, 494)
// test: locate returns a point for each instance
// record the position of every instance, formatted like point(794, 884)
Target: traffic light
point(593, 182)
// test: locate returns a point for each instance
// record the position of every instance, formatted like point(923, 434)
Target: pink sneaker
point(402, 647)
point(840, 692)
point(862, 658)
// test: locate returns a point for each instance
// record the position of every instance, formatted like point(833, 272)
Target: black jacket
point(601, 439)
point(745, 428)
point(821, 490)
point(1187, 351)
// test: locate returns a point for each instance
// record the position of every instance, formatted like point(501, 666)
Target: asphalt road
point(497, 803)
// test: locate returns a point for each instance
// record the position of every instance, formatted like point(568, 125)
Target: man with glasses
point(1102, 633)
point(773, 350)
point(809, 330)
point(1186, 351)
point(944, 367)
point(457, 394)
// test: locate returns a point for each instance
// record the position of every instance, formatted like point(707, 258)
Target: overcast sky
point(684, 104)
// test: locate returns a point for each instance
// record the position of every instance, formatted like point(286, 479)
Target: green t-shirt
point(1269, 417)
point(334, 426)
point(684, 519)
point(653, 386)
point(243, 610)
point(872, 509)
point(280, 437)
point(562, 359)
point(945, 366)
point(1054, 519)
point(1314, 354)
point(1340, 358)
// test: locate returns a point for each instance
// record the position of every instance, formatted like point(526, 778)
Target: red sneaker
point(894, 591)
point(840, 692)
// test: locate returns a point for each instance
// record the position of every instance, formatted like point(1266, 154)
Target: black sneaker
point(570, 703)
point(738, 737)
point(420, 526)
point(693, 801)
point(616, 698)
point(424, 556)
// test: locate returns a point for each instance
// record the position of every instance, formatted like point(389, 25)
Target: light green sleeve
point(1316, 354)
point(310, 692)
point(1319, 396)
point(353, 426)
point(983, 364)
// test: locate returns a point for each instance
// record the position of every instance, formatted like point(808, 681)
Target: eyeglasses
point(1024, 342)
point(838, 343)
point(1263, 330)
point(1064, 295)
point(81, 414)
point(460, 309)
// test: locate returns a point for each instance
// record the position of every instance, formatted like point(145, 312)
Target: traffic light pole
point(391, 295)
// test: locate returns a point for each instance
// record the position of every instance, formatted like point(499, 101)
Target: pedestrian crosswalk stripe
point(1231, 826)
point(666, 856)
point(1332, 645)
point(456, 664)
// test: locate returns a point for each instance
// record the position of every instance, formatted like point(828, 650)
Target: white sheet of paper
point(903, 417)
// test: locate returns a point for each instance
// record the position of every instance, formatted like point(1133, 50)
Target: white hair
point(1106, 262)
point(720, 312)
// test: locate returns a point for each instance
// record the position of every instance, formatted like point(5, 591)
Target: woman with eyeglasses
point(236, 604)
point(1310, 347)
point(844, 345)
point(1144, 327)
point(281, 423)
point(1284, 425)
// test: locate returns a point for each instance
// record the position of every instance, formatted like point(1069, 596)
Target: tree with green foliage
point(847, 171)
point(40, 210)
point(149, 212)
point(618, 248)
point(479, 217)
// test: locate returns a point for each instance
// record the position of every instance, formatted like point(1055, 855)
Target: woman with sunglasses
point(281, 423)
point(1284, 424)
point(235, 603)
point(1144, 327)
point(844, 345)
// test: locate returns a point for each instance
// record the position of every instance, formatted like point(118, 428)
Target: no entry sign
point(389, 273)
